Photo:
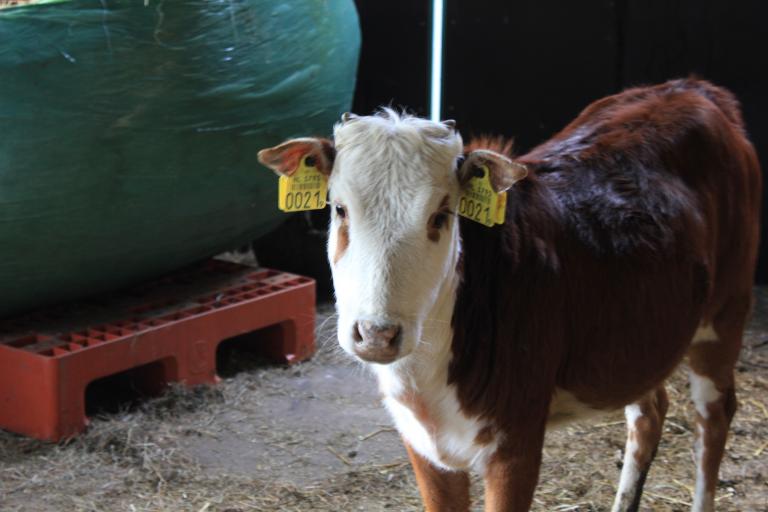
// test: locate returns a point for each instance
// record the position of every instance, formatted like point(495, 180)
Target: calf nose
point(376, 343)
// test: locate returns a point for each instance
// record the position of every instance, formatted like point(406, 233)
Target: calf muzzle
point(376, 343)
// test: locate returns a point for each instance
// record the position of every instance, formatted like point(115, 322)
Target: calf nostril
point(392, 333)
point(356, 334)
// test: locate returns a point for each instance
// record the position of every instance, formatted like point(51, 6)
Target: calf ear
point(503, 172)
point(285, 158)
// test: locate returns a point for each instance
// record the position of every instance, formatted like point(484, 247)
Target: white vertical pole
point(436, 75)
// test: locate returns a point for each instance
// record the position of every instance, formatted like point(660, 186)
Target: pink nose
point(376, 343)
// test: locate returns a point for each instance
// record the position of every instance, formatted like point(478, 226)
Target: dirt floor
point(314, 437)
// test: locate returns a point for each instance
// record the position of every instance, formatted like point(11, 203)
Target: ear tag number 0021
point(480, 203)
point(305, 190)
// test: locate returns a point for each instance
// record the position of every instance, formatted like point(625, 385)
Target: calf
point(629, 244)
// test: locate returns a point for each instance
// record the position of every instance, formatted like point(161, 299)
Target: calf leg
point(715, 407)
point(711, 358)
point(441, 491)
point(645, 419)
point(513, 472)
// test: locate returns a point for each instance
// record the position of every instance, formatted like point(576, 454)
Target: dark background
point(525, 68)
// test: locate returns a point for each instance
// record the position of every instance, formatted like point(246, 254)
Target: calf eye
point(439, 220)
point(341, 211)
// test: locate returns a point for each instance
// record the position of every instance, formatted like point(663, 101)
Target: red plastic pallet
point(174, 325)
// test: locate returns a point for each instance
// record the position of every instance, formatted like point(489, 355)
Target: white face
point(393, 234)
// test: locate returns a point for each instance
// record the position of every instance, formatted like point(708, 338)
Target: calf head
point(394, 241)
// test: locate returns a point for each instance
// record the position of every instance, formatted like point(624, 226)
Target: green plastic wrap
point(129, 131)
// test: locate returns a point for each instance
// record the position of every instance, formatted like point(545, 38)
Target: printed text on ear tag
point(480, 203)
point(305, 190)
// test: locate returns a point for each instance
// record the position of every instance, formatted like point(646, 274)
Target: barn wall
point(526, 68)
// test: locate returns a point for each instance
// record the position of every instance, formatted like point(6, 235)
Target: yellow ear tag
point(305, 190)
point(480, 203)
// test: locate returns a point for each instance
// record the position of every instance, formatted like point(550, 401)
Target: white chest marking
point(435, 426)
point(432, 422)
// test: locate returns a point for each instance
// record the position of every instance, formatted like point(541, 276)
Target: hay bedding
point(136, 460)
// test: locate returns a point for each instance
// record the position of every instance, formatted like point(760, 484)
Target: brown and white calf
point(629, 246)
